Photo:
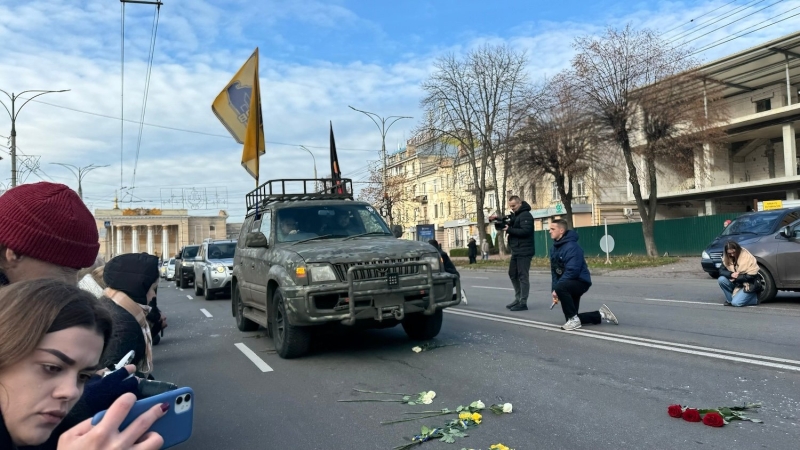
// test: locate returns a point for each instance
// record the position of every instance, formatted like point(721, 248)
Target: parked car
point(163, 269)
point(214, 267)
point(312, 257)
point(773, 237)
point(170, 273)
point(184, 265)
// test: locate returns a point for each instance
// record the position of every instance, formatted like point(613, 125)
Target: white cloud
point(75, 45)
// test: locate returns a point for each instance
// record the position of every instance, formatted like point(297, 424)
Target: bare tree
point(385, 200)
point(559, 138)
point(618, 73)
point(472, 106)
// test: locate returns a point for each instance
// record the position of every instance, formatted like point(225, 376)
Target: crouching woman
point(52, 335)
point(738, 278)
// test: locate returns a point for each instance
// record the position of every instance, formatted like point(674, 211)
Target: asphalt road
point(599, 387)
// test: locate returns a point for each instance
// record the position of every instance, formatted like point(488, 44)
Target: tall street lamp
point(13, 113)
point(315, 164)
point(80, 172)
point(383, 129)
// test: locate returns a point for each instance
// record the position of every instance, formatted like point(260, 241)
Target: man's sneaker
point(727, 303)
point(519, 307)
point(572, 324)
point(609, 316)
point(512, 304)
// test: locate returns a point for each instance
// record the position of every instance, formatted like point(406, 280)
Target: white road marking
point(474, 278)
point(747, 358)
point(204, 311)
point(681, 301)
point(189, 297)
point(264, 367)
point(493, 287)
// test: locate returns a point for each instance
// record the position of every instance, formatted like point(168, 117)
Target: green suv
point(312, 255)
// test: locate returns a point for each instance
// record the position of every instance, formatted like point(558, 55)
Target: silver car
point(213, 268)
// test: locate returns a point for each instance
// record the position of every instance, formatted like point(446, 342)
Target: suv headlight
point(219, 268)
point(705, 255)
point(322, 273)
point(434, 260)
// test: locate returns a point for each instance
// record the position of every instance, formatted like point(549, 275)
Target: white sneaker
point(572, 324)
point(608, 315)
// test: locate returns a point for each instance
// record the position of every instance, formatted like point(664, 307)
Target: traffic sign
point(607, 244)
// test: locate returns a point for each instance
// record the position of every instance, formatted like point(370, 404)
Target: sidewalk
point(688, 267)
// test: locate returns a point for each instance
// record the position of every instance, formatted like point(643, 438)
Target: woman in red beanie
point(45, 232)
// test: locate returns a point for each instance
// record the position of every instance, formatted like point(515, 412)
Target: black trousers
point(519, 272)
point(473, 258)
point(569, 294)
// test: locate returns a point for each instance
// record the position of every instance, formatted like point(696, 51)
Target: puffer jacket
point(566, 257)
point(520, 232)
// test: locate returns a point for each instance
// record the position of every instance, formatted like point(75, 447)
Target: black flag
point(336, 173)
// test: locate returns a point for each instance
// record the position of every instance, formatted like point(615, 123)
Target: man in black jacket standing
point(520, 241)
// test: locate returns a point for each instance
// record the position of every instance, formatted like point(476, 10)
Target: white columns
point(119, 240)
point(150, 248)
point(789, 151)
point(135, 239)
point(165, 242)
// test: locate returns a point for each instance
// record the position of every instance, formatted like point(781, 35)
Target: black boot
point(512, 304)
point(520, 307)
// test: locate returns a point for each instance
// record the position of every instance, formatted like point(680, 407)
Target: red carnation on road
point(675, 411)
point(713, 419)
point(691, 415)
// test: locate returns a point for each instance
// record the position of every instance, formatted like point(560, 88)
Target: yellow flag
point(233, 107)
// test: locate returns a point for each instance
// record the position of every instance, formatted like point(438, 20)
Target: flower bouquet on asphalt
point(713, 417)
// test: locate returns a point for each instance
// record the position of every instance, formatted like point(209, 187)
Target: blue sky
point(316, 59)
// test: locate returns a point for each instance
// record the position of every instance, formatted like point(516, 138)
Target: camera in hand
point(500, 222)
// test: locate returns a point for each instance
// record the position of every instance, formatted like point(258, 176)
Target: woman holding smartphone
point(52, 335)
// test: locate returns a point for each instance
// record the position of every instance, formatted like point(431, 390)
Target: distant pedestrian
point(473, 251)
point(571, 278)
point(738, 278)
point(520, 241)
point(485, 250)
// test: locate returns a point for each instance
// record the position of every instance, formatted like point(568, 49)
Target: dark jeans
point(569, 293)
point(473, 258)
point(519, 272)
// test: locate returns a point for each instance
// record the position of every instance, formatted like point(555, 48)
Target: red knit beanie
point(49, 222)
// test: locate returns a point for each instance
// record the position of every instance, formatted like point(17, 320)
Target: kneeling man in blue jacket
point(571, 278)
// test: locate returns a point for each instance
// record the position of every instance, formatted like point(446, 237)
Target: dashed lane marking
point(264, 367)
point(204, 311)
point(189, 297)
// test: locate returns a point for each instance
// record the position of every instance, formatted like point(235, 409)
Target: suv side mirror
point(786, 232)
point(256, 239)
point(397, 231)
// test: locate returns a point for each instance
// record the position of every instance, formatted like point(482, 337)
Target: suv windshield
point(221, 251)
point(759, 223)
point(329, 221)
point(190, 252)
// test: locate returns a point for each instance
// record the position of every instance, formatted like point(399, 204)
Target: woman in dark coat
point(473, 251)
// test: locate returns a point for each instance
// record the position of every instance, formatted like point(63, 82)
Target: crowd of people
point(67, 320)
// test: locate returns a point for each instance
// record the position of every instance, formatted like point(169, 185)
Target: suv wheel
point(768, 288)
point(242, 322)
point(183, 283)
point(209, 295)
point(421, 327)
point(290, 341)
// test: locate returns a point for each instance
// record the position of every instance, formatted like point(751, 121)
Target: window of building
point(763, 105)
point(441, 208)
point(491, 199)
point(448, 209)
point(580, 186)
point(435, 211)
point(554, 194)
point(435, 186)
point(424, 191)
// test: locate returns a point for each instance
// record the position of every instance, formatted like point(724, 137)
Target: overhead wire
point(714, 20)
point(701, 15)
point(728, 24)
point(122, 96)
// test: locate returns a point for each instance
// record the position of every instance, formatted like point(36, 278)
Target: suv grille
point(715, 256)
point(372, 274)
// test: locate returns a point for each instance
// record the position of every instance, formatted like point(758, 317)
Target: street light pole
point(80, 172)
point(13, 113)
point(383, 128)
point(315, 166)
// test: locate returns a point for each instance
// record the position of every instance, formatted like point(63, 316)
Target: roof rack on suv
point(300, 189)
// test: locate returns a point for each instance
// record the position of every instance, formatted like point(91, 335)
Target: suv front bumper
point(219, 282)
point(373, 299)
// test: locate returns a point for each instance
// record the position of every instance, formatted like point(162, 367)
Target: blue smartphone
point(175, 427)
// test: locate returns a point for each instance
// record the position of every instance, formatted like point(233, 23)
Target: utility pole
point(383, 128)
point(316, 187)
point(80, 172)
point(13, 113)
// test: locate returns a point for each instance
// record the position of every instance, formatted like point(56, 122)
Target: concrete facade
point(155, 231)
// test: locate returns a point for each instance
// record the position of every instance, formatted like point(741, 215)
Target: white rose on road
point(479, 404)
point(416, 349)
point(507, 408)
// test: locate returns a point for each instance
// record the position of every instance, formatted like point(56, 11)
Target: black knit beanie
point(133, 274)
